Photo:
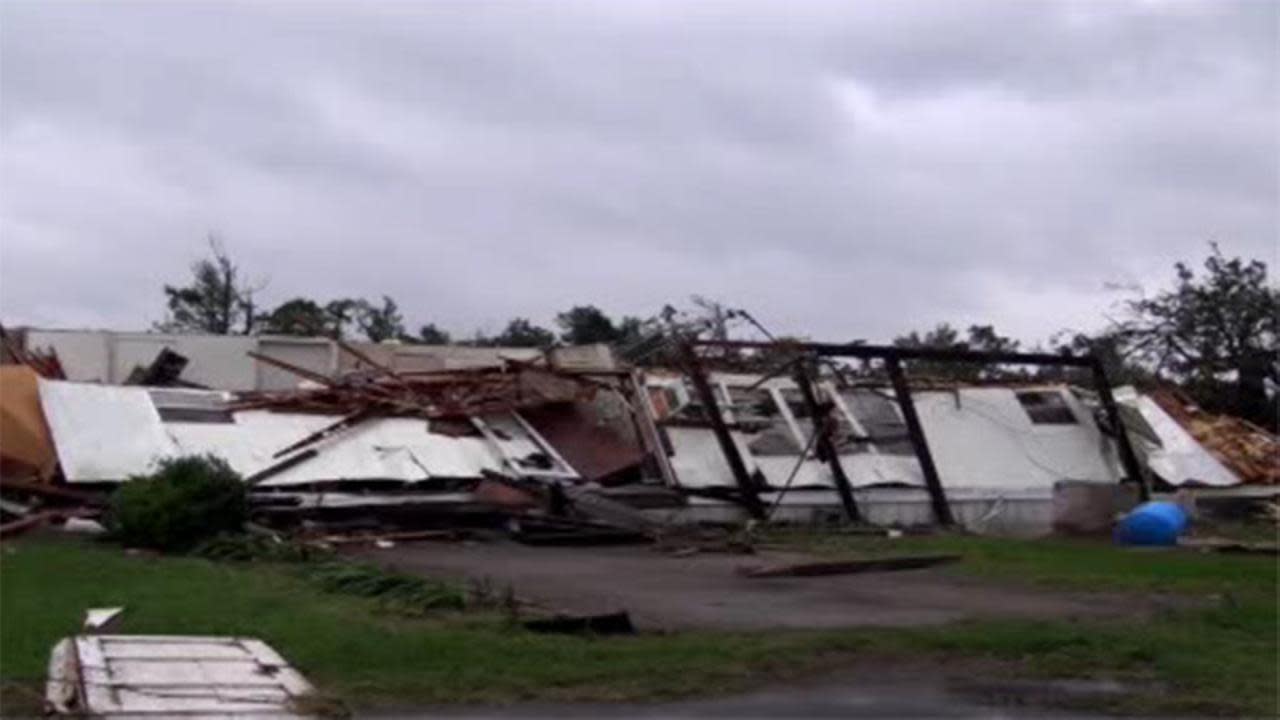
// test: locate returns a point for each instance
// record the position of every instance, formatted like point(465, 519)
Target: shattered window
point(1047, 407)
point(879, 417)
point(190, 407)
point(756, 413)
point(752, 407)
point(520, 446)
point(669, 405)
point(843, 436)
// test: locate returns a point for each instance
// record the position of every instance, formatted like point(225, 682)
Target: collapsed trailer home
point(999, 451)
point(371, 440)
point(411, 435)
point(803, 441)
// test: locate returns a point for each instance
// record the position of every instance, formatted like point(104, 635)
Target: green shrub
point(187, 500)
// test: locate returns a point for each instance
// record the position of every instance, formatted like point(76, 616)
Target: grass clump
point(396, 592)
point(1213, 652)
point(187, 500)
point(249, 547)
point(405, 594)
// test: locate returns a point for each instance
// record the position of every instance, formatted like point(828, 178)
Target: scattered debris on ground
point(615, 623)
point(849, 567)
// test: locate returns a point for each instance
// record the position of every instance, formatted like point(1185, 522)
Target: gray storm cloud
point(840, 171)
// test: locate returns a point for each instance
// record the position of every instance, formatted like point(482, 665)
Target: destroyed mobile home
point(573, 443)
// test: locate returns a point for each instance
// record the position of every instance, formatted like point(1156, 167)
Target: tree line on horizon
point(1214, 333)
point(218, 300)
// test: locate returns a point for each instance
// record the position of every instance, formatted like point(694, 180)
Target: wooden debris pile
point(1247, 450)
point(374, 390)
point(45, 363)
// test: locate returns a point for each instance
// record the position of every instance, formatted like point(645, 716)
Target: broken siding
point(981, 438)
point(108, 433)
point(1178, 458)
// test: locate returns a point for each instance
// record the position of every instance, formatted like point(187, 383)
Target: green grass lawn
point(1217, 659)
point(1073, 564)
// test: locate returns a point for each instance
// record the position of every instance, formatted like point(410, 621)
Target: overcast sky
point(840, 169)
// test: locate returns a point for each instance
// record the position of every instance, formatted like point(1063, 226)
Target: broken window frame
point(562, 470)
point(861, 434)
point(1056, 413)
point(203, 407)
point(769, 389)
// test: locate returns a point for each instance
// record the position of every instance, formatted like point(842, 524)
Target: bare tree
point(217, 301)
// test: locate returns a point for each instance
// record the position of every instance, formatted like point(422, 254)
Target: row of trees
point(220, 300)
point(1214, 332)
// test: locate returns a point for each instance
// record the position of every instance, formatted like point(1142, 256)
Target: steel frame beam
point(893, 356)
point(707, 396)
point(820, 413)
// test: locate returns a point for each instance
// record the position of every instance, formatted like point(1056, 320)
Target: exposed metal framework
point(892, 358)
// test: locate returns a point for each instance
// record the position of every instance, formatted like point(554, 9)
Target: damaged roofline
point(893, 357)
point(859, 350)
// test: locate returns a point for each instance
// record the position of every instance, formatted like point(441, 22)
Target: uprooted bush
point(187, 500)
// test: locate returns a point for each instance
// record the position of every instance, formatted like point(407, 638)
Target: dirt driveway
point(705, 591)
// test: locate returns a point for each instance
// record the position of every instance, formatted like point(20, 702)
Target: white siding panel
point(1180, 459)
point(103, 432)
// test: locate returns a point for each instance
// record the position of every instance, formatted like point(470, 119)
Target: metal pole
point(941, 509)
point(826, 448)
point(1128, 459)
point(711, 406)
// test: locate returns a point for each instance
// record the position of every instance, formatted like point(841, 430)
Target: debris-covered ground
point(1210, 651)
point(714, 591)
point(557, 530)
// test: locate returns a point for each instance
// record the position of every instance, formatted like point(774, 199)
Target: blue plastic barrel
point(1152, 523)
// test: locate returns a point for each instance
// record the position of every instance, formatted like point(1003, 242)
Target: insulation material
point(25, 445)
